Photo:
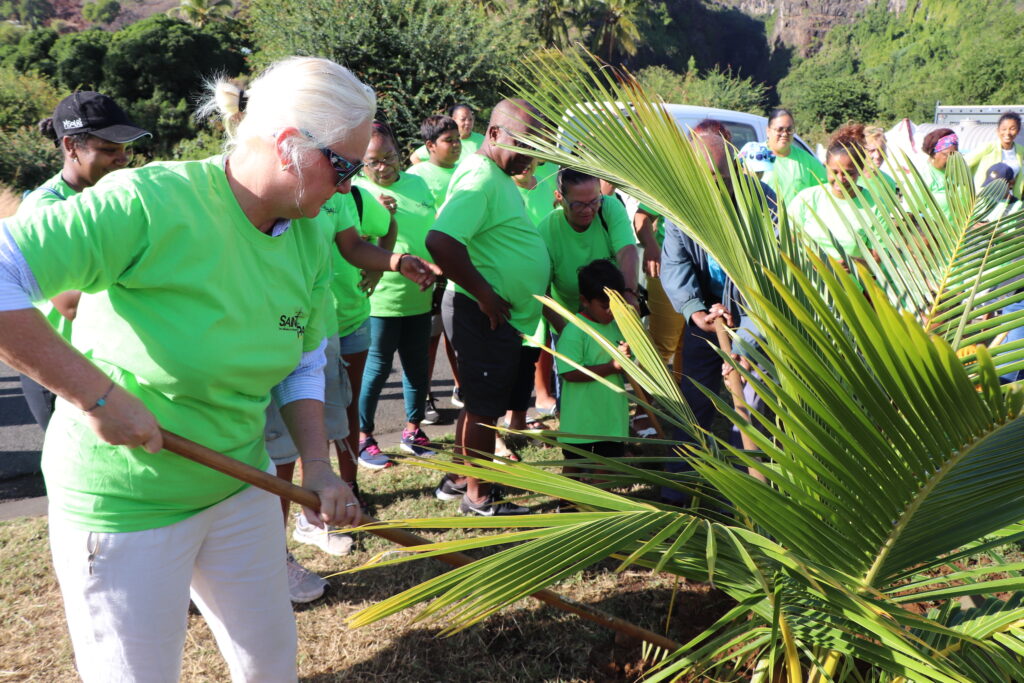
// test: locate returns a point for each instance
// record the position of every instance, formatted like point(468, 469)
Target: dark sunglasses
point(342, 166)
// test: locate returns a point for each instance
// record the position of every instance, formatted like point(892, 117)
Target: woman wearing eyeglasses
point(400, 319)
point(794, 168)
point(211, 287)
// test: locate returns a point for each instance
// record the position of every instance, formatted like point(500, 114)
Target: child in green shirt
point(441, 138)
point(588, 406)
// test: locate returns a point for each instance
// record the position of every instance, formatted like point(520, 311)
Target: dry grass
point(527, 642)
point(9, 201)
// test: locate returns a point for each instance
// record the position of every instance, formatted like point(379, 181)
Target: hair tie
point(243, 100)
point(945, 143)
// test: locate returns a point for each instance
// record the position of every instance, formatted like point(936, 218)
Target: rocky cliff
point(801, 24)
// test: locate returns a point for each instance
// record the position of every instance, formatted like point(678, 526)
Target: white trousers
point(126, 594)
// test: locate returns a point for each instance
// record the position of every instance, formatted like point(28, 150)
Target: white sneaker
point(303, 585)
point(328, 540)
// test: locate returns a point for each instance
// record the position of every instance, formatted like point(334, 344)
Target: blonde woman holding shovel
point(212, 286)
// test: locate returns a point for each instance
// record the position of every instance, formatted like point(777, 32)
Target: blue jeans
point(1015, 334)
point(410, 337)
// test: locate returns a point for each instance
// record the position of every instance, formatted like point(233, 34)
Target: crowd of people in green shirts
point(255, 301)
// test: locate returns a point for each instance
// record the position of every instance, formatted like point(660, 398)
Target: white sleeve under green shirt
point(371, 220)
point(396, 295)
point(436, 177)
point(195, 312)
point(590, 407)
point(570, 250)
point(485, 213)
point(790, 175)
point(51, 192)
point(469, 146)
point(823, 219)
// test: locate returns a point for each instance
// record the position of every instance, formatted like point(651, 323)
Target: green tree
point(78, 59)
point(101, 11)
point(199, 13)
point(33, 52)
point(420, 55)
point(713, 88)
point(156, 67)
point(35, 12)
point(616, 27)
point(831, 100)
point(24, 99)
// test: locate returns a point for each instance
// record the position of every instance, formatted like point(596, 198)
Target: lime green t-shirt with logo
point(436, 177)
point(351, 304)
point(469, 146)
point(53, 191)
point(790, 175)
point(590, 407)
point(396, 295)
point(486, 214)
point(822, 219)
point(194, 311)
point(570, 250)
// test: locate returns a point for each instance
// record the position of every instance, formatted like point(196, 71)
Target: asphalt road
point(21, 440)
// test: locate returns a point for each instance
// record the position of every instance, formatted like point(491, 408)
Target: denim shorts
point(356, 341)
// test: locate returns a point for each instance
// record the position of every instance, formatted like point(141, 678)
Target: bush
point(715, 88)
point(101, 11)
point(78, 59)
point(32, 55)
point(420, 55)
point(24, 99)
point(27, 159)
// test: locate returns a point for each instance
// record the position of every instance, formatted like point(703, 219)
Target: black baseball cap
point(998, 172)
point(96, 114)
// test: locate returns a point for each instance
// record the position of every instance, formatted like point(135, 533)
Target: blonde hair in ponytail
point(320, 98)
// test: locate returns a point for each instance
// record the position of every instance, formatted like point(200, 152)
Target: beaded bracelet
point(102, 400)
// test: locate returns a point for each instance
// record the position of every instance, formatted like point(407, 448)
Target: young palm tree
point(201, 12)
point(893, 451)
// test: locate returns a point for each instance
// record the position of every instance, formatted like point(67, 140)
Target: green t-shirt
point(194, 311)
point(469, 146)
point(864, 183)
point(540, 199)
point(658, 220)
point(822, 219)
point(570, 250)
point(485, 213)
point(590, 407)
point(396, 295)
point(436, 177)
point(53, 191)
point(351, 304)
point(936, 180)
point(790, 175)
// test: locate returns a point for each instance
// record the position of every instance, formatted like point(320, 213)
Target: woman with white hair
point(211, 282)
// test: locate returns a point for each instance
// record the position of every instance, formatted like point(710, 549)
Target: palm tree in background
point(199, 13)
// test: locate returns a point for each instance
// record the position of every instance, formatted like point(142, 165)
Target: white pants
point(126, 594)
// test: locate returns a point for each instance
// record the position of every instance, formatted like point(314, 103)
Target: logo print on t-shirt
point(291, 323)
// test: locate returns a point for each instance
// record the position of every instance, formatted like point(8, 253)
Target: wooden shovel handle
point(268, 482)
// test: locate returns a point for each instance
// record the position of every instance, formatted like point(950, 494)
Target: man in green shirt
point(485, 243)
point(441, 138)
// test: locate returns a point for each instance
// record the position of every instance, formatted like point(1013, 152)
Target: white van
point(744, 127)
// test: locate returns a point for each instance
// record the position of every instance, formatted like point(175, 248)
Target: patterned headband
point(945, 143)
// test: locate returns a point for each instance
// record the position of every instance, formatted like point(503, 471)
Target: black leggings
point(40, 400)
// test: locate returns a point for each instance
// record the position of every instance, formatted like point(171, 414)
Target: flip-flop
point(535, 424)
point(547, 412)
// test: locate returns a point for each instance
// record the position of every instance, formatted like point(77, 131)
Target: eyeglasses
point(580, 206)
point(784, 131)
point(342, 166)
point(389, 160)
point(515, 143)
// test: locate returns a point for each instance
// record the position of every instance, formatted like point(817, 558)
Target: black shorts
point(495, 369)
point(606, 449)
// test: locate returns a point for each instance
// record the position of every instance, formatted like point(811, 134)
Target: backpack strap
point(357, 197)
